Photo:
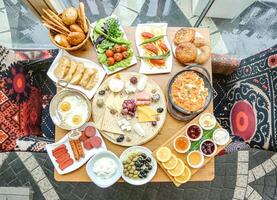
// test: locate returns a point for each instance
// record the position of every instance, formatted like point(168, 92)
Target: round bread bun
point(62, 40)
point(75, 38)
point(186, 52)
point(203, 54)
point(184, 35)
point(69, 15)
point(75, 28)
point(199, 42)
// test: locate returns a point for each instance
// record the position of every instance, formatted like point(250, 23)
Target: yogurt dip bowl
point(207, 121)
point(221, 136)
point(104, 169)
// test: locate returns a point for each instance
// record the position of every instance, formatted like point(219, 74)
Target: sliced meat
point(59, 152)
point(83, 137)
point(140, 103)
point(59, 148)
point(65, 164)
point(143, 96)
point(87, 144)
point(95, 141)
point(90, 131)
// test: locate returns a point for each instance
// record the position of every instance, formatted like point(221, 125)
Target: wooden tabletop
point(170, 127)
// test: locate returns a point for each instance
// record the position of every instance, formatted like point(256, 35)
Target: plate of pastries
point(68, 30)
point(76, 73)
point(189, 46)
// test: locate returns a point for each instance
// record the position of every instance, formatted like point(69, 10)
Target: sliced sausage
point(59, 152)
point(59, 148)
point(83, 137)
point(95, 141)
point(65, 164)
point(90, 131)
point(87, 144)
point(63, 158)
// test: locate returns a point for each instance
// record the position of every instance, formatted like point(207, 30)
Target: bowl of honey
point(181, 144)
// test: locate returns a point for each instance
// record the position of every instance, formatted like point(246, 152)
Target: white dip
point(221, 136)
point(104, 167)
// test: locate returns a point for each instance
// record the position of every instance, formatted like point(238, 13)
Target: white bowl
point(202, 124)
point(178, 150)
point(226, 138)
point(215, 148)
point(104, 183)
point(151, 174)
point(199, 137)
point(200, 164)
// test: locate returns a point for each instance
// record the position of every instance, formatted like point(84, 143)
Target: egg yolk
point(65, 106)
point(76, 119)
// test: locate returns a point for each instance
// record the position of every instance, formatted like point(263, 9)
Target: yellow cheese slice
point(146, 114)
point(109, 123)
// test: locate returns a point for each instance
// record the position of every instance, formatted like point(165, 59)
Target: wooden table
point(170, 127)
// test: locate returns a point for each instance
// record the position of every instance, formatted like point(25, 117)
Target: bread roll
point(184, 35)
point(76, 28)
point(62, 40)
point(75, 38)
point(69, 15)
point(186, 52)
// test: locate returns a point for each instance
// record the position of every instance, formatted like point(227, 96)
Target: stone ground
point(243, 175)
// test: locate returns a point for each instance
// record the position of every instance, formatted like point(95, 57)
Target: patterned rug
point(246, 102)
point(25, 93)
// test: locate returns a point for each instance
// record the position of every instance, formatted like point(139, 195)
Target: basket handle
point(191, 66)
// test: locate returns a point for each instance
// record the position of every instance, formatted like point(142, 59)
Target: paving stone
point(229, 182)
point(226, 194)
point(268, 165)
point(239, 193)
point(258, 187)
point(38, 174)
point(262, 156)
point(15, 191)
point(269, 191)
point(24, 155)
point(30, 163)
point(11, 157)
point(258, 172)
point(241, 181)
point(16, 197)
point(217, 182)
point(242, 168)
point(214, 194)
point(274, 158)
point(251, 177)
point(231, 170)
point(177, 193)
point(44, 185)
point(243, 156)
point(231, 158)
point(150, 194)
point(270, 180)
point(51, 195)
point(219, 169)
point(249, 190)
point(15, 183)
point(255, 196)
point(137, 194)
point(17, 165)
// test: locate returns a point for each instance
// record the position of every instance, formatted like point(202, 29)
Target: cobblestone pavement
point(243, 175)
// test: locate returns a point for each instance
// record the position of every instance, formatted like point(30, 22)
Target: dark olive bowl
point(207, 85)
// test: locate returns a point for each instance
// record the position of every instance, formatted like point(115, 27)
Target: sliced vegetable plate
point(113, 49)
point(76, 164)
point(87, 63)
point(154, 48)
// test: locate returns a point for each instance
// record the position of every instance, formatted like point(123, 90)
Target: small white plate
point(76, 164)
point(133, 61)
point(144, 66)
point(87, 63)
point(104, 183)
point(151, 174)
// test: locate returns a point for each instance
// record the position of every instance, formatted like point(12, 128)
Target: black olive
point(120, 138)
point(101, 92)
point(150, 167)
point(138, 169)
point(143, 155)
point(160, 110)
point(144, 175)
point(140, 159)
point(147, 164)
point(137, 164)
point(146, 170)
point(140, 175)
point(154, 123)
point(148, 159)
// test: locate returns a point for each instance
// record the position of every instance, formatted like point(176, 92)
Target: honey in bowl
point(195, 159)
point(182, 144)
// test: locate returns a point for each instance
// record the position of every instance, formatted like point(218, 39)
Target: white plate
point(76, 164)
point(144, 66)
point(87, 63)
point(104, 183)
point(151, 174)
point(133, 61)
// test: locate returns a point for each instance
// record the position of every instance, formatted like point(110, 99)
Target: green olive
point(131, 171)
point(135, 176)
point(129, 167)
point(133, 167)
point(136, 172)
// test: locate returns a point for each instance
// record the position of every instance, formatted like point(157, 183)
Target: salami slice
point(83, 137)
point(59, 148)
point(90, 131)
point(87, 144)
point(65, 164)
point(95, 141)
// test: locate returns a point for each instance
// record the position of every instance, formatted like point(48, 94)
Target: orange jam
point(182, 143)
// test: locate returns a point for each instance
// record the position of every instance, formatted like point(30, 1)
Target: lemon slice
point(184, 177)
point(163, 154)
point(171, 164)
point(178, 170)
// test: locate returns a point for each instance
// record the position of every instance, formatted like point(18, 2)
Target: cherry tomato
point(110, 61)
point(125, 54)
point(118, 57)
point(157, 62)
point(147, 35)
point(124, 48)
point(117, 48)
point(109, 53)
